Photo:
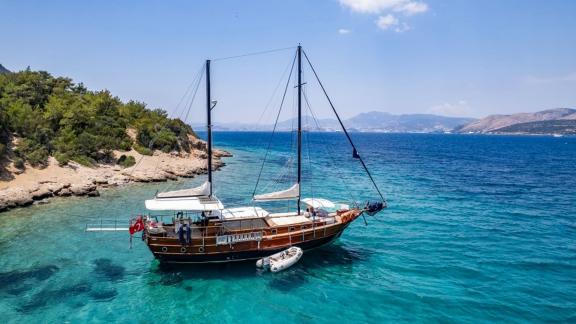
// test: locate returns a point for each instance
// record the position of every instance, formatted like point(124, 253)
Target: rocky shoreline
point(39, 185)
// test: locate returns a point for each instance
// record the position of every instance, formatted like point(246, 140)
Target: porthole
point(164, 249)
point(201, 249)
point(292, 229)
point(274, 231)
point(183, 249)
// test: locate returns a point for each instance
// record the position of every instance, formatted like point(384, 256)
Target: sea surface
point(479, 229)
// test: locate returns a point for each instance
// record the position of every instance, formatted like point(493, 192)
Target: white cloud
point(407, 7)
point(458, 109)
point(387, 22)
point(385, 8)
point(343, 31)
point(411, 8)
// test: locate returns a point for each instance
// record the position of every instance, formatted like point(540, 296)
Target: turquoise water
point(480, 228)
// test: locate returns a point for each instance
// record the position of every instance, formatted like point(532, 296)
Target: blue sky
point(461, 58)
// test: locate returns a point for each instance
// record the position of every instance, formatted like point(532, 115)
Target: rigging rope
point(275, 124)
point(252, 54)
point(269, 103)
point(344, 128)
point(201, 74)
point(197, 80)
point(186, 93)
point(341, 176)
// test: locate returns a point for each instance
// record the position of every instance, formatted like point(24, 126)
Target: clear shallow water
point(480, 228)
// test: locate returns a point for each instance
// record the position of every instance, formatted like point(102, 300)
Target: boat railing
point(107, 225)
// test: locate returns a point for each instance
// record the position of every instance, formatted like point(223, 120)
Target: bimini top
point(318, 203)
point(186, 203)
point(243, 212)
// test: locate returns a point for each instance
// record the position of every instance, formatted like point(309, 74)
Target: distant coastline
point(558, 121)
point(392, 132)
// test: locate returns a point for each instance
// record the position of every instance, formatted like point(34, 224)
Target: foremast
point(299, 126)
point(209, 126)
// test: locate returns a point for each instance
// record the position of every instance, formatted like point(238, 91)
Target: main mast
point(209, 125)
point(299, 125)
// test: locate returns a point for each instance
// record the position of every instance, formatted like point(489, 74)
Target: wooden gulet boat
point(194, 226)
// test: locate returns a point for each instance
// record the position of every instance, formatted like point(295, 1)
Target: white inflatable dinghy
point(281, 260)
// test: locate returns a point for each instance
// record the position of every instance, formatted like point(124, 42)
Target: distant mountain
point(381, 121)
point(3, 69)
point(558, 126)
point(374, 121)
point(500, 123)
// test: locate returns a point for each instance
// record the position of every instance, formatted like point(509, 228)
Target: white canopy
point(201, 191)
point(244, 212)
point(318, 203)
point(290, 193)
point(190, 203)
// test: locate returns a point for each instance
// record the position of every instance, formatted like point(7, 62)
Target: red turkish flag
point(136, 226)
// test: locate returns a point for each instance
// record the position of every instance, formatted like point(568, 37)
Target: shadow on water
point(103, 295)
point(174, 274)
point(335, 255)
point(18, 281)
point(326, 257)
point(288, 280)
point(49, 297)
point(104, 268)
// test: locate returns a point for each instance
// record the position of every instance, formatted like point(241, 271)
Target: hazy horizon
point(398, 56)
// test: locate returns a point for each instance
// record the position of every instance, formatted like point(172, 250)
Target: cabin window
point(292, 228)
point(274, 231)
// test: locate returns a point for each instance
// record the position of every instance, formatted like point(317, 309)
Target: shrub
point(84, 160)
point(126, 161)
point(142, 150)
point(62, 158)
point(33, 152)
point(18, 163)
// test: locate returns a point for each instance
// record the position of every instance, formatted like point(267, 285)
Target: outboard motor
point(372, 208)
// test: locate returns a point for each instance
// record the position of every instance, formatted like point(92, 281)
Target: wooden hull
point(205, 249)
point(239, 255)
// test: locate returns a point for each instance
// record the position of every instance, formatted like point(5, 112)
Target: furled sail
point(290, 193)
point(200, 191)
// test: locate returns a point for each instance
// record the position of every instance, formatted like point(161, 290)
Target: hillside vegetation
point(53, 116)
